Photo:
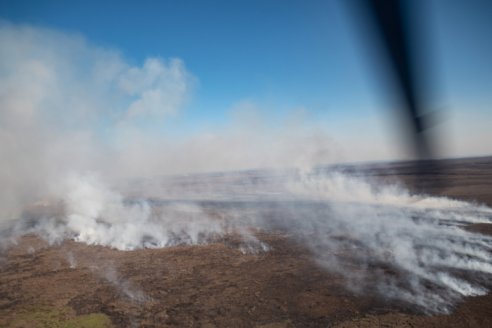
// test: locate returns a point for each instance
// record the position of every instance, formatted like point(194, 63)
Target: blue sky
point(279, 55)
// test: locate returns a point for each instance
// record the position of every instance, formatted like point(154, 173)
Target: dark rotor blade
point(394, 32)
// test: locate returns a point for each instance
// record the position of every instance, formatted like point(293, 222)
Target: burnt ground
point(216, 285)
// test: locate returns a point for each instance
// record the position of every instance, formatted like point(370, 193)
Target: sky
point(274, 61)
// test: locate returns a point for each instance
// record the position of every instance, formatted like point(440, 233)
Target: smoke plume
point(78, 139)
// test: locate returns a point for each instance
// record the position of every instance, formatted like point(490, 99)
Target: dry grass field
point(72, 284)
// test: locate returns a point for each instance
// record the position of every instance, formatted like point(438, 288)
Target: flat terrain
point(468, 178)
point(216, 285)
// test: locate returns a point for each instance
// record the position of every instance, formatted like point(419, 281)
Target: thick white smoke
point(409, 248)
point(64, 103)
point(88, 211)
point(68, 107)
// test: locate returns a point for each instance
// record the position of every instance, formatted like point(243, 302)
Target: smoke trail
point(410, 248)
point(110, 275)
point(403, 257)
